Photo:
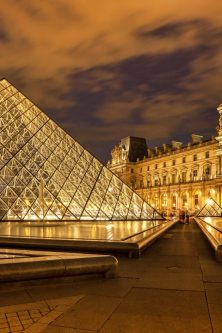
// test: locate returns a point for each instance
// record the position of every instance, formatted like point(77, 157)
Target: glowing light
point(209, 201)
point(55, 190)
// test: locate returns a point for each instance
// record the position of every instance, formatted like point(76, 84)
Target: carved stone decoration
point(219, 127)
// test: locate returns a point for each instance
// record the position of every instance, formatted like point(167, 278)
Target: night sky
point(108, 69)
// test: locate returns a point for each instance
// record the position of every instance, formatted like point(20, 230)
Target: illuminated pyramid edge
point(46, 174)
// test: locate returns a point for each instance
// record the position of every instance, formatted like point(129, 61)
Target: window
point(156, 166)
point(131, 170)
point(164, 164)
point(164, 201)
point(173, 179)
point(184, 198)
point(141, 184)
point(184, 160)
point(164, 180)
point(184, 176)
point(207, 154)
point(156, 181)
point(195, 174)
point(173, 162)
point(148, 168)
point(207, 172)
point(195, 157)
point(196, 200)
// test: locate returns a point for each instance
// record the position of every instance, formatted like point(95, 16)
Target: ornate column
point(219, 152)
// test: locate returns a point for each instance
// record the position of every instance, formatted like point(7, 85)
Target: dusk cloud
point(107, 70)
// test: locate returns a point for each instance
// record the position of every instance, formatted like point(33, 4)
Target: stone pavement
point(175, 287)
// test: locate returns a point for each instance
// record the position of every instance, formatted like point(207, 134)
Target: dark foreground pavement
point(175, 287)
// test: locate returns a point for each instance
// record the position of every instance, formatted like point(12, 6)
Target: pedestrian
point(187, 219)
point(181, 216)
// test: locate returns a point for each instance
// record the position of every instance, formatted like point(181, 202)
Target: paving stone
point(212, 270)
point(14, 297)
point(214, 292)
point(216, 317)
point(160, 311)
point(4, 325)
point(5, 330)
point(173, 279)
point(16, 328)
point(55, 329)
point(49, 292)
point(89, 314)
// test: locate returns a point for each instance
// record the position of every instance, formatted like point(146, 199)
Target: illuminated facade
point(174, 176)
point(46, 174)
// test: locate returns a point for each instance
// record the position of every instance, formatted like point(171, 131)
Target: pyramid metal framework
point(210, 209)
point(46, 174)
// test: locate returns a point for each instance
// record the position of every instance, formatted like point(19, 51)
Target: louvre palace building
point(175, 176)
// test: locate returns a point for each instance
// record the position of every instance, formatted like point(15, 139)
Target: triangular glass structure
point(210, 209)
point(46, 174)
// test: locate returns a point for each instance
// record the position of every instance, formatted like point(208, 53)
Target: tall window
point(156, 201)
point(184, 199)
point(184, 160)
point(156, 166)
point(164, 180)
point(174, 201)
point(164, 201)
point(173, 178)
point(207, 154)
point(207, 172)
point(173, 162)
point(164, 164)
point(184, 177)
point(195, 157)
point(196, 199)
point(156, 181)
point(195, 174)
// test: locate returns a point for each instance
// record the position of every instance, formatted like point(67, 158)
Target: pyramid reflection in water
point(44, 173)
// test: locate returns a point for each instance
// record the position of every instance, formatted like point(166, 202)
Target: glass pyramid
point(46, 174)
point(210, 209)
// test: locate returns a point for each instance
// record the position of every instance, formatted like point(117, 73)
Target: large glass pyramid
point(46, 174)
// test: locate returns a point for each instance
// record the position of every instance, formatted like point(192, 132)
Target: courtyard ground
point(174, 287)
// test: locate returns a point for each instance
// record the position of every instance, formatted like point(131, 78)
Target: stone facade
point(176, 176)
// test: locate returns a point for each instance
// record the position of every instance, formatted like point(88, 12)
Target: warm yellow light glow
point(209, 201)
point(45, 156)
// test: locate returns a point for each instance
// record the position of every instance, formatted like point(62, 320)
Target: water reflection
point(101, 230)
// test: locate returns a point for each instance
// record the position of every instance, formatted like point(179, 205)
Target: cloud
point(111, 69)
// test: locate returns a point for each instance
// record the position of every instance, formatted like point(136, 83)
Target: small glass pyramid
point(210, 209)
point(46, 174)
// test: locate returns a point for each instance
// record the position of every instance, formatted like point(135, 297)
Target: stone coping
point(212, 233)
point(133, 245)
point(41, 264)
